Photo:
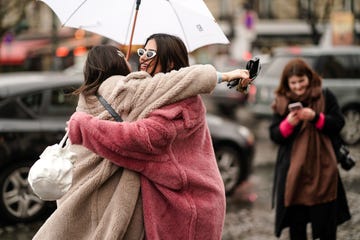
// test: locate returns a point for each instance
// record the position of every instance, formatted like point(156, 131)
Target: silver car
point(34, 108)
point(340, 69)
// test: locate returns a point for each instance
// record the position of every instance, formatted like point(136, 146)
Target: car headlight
point(244, 131)
point(265, 94)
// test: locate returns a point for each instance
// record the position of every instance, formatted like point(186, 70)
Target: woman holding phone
point(307, 184)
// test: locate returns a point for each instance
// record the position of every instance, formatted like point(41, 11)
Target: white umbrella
point(190, 20)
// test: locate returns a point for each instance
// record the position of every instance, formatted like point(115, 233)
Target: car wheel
point(351, 131)
point(18, 203)
point(228, 111)
point(229, 166)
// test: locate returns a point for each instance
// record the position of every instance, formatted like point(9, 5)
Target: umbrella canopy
point(190, 20)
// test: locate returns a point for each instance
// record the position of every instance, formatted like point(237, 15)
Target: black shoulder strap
point(325, 92)
point(108, 107)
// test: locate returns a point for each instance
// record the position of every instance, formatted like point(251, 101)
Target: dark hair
point(297, 67)
point(171, 52)
point(102, 62)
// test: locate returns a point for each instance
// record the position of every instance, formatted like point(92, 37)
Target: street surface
point(249, 214)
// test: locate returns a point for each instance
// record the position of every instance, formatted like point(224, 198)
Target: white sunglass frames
point(148, 54)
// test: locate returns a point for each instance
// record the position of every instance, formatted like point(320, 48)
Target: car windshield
point(278, 63)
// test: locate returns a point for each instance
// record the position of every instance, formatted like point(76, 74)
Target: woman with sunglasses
point(92, 174)
point(182, 191)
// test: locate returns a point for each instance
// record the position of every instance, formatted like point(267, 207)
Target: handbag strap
point(108, 107)
point(64, 139)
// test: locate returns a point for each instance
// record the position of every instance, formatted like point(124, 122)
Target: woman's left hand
point(242, 74)
point(245, 82)
point(306, 114)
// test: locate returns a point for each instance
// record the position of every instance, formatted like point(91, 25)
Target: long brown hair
point(297, 67)
point(171, 52)
point(102, 62)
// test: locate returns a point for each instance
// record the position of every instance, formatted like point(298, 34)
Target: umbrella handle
point(133, 29)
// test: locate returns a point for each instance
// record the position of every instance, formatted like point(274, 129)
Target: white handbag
point(51, 176)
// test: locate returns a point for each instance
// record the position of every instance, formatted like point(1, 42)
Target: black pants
point(322, 218)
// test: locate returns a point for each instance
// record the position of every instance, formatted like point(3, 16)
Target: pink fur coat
point(182, 190)
point(104, 201)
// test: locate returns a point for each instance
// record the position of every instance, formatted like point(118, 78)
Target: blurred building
point(252, 26)
point(286, 21)
point(231, 13)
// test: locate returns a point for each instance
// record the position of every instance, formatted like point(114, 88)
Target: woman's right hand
point(293, 118)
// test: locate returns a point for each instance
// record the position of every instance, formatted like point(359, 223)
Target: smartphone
point(295, 106)
point(253, 66)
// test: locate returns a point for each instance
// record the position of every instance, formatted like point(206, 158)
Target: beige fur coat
point(104, 201)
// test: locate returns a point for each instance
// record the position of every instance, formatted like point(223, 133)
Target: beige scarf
point(104, 201)
point(312, 175)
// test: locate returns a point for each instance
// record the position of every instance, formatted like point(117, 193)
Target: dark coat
point(334, 121)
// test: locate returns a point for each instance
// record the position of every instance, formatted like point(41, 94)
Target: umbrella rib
point(73, 13)
point(182, 28)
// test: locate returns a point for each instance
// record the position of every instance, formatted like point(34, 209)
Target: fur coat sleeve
point(143, 146)
point(136, 95)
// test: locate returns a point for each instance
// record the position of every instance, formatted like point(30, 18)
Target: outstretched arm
point(187, 82)
point(139, 94)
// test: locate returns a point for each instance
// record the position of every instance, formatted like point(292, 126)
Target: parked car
point(224, 101)
point(34, 108)
point(339, 67)
point(234, 147)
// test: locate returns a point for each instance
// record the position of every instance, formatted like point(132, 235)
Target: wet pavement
point(249, 214)
point(249, 219)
